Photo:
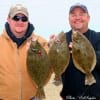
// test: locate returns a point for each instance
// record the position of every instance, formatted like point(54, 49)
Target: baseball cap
point(80, 6)
point(18, 8)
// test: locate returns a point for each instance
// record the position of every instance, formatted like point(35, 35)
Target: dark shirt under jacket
point(73, 79)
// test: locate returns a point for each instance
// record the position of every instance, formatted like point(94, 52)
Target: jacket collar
point(19, 41)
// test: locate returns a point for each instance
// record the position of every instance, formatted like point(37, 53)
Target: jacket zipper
point(20, 74)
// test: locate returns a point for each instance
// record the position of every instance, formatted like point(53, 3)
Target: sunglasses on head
point(22, 18)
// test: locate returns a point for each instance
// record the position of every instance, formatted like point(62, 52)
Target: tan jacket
point(15, 83)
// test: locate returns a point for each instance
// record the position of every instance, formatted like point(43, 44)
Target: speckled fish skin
point(38, 66)
point(84, 57)
point(59, 56)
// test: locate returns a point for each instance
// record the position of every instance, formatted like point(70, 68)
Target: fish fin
point(40, 94)
point(89, 79)
point(57, 80)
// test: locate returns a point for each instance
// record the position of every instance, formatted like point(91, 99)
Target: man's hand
point(70, 47)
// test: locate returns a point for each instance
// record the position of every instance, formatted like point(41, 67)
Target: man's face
point(18, 25)
point(79, 19)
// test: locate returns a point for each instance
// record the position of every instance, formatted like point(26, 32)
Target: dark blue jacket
point(73, 79)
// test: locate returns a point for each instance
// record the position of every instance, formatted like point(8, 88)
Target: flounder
point(38, 66)
point(59, 56)
point(84, 57)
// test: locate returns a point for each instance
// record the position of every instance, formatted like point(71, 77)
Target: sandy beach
point(52, 92)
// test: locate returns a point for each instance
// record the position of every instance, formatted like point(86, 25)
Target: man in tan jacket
point(15, 82)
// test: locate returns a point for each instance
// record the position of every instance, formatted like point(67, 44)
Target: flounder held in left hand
point(38, 66)
point(84, 57)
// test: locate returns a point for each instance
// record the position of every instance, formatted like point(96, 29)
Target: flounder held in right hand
point(84, 57)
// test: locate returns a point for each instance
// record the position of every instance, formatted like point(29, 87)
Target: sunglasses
point(22, 18)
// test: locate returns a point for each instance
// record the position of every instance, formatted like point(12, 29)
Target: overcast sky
point(51, 16)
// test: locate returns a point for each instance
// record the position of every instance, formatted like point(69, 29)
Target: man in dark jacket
point(73, 79)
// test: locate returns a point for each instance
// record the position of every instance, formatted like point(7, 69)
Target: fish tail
point(40, 94)
point(89, 79)
point(57, 80)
